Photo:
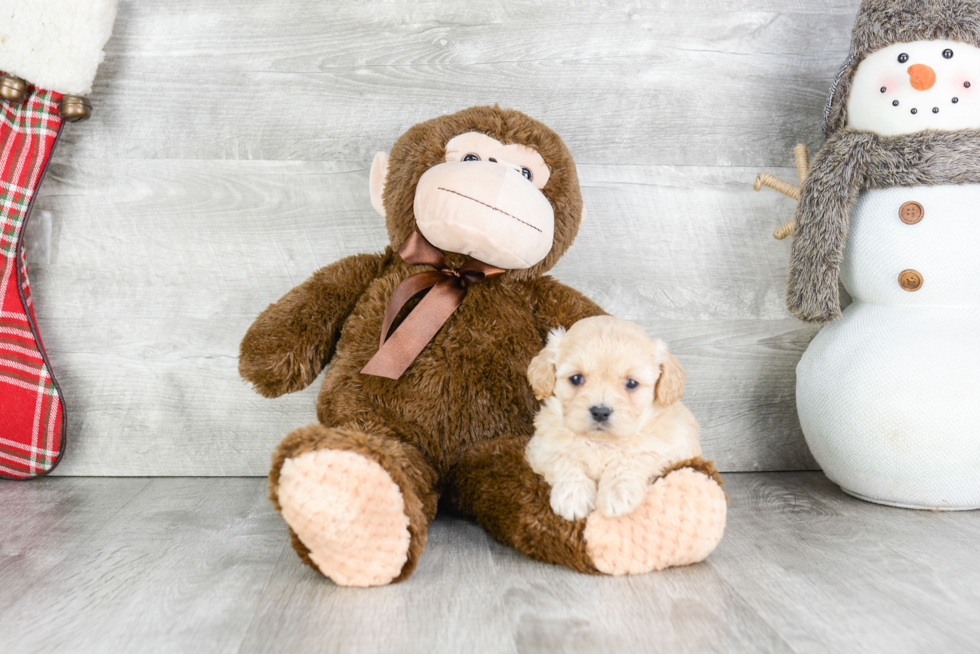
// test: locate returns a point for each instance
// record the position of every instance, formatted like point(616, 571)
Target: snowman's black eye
point(902, 58)
point(947, 54)
point(526, 172)
point(471, 157)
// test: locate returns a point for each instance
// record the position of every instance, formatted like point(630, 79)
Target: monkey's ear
point(670, 385)
point(379, 171)
point(541, 372)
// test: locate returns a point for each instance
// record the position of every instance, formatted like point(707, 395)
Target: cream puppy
point(610, 419)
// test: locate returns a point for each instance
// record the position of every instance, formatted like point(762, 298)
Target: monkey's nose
point(600, 412)
point(922, 77)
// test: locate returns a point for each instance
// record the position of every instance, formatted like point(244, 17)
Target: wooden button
point(910, 280)
point(911, 213)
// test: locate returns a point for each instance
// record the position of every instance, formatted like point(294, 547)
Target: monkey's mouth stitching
point(447, 190)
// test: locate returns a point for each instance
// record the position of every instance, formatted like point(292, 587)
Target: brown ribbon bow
point(448, 288)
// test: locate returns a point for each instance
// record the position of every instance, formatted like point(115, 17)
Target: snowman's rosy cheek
point(887, 84)
point(961, 87)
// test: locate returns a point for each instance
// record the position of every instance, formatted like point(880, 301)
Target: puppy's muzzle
point(600, 413)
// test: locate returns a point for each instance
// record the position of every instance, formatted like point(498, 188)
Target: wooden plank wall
point(227, 159)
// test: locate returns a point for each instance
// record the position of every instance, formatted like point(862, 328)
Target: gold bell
point(13, 89)
point(74, 107)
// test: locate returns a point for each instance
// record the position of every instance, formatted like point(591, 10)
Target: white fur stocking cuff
point(55, 44)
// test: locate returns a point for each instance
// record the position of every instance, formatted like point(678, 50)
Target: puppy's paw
point(573, 500)
point(621, 497)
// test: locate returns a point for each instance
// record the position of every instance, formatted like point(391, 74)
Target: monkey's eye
point(471, 157)
point(902, 58)
point(947, 54)
point(526, 173)
point(631, 384)
point(576, 380)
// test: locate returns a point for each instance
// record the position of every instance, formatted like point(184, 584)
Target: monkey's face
point(485, 201)
point(489, 183)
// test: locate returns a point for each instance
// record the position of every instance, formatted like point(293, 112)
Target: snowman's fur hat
point(881, 23)
point(851, 161)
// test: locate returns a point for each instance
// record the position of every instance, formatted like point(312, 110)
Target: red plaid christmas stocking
point(32, 412)
point(50, 51)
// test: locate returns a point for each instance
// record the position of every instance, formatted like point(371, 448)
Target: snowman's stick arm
point(784, 187)
point(802, 162)
point(784, 230)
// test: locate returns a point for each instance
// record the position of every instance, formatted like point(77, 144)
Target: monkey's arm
point(292, 340)
point(558, 305)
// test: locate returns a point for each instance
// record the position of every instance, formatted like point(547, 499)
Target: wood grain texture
point(43, 521)
point(169, 565)
point(831, 573)
point(227, 159)
point(720, 82)
point(177, 568)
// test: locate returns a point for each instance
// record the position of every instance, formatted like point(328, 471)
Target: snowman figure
point(888, 393)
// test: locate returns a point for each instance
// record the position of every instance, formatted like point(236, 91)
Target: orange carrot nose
point(922, 77)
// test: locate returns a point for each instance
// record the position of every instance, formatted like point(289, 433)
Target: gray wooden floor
point(179, 564)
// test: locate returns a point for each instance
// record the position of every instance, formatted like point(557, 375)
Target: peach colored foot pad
point(679, 522)
point(349, 513)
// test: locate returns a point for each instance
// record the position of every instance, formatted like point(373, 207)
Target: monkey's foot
point(680, 521)
point(348, 512)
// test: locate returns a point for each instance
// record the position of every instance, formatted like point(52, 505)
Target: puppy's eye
point(631, 384)
point(527, 173)
point(576, 380)
point(471, 157)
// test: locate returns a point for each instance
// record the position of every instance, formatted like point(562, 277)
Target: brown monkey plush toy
point(479, 205)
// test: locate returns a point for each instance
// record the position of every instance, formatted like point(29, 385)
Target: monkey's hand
point(292, 340)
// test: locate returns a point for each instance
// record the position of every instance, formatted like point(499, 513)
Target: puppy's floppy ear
point(541, 372)
point(670, 385)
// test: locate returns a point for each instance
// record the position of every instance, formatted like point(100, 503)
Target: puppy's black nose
point(600, 412)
